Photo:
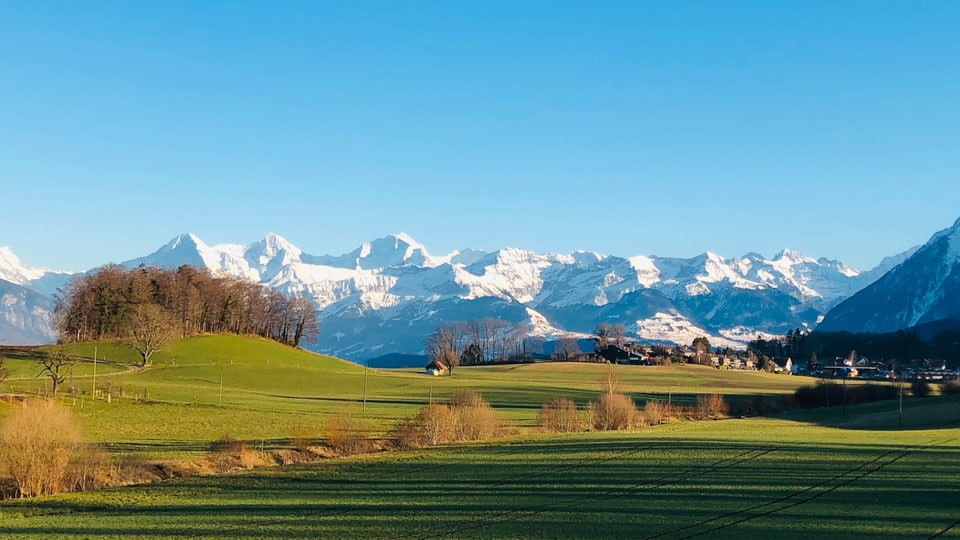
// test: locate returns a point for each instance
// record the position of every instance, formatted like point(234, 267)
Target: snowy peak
point(394, 250)
point(40, 280)
point(271, 254)
point(183, 249)
point(14, 271)
point(789, 256)
point(185, 241)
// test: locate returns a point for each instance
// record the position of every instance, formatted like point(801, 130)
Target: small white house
point(436, 368)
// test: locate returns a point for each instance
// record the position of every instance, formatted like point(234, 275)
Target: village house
point(436, 368)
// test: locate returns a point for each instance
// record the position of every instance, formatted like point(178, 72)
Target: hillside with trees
point(147, 306)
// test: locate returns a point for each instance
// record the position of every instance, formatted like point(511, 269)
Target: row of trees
point(148, 305)
point(900, 345)
point(480, 341)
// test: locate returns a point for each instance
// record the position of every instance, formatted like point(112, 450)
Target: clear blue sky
point(628, 128)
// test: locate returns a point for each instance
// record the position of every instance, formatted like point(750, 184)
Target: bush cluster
point(612, 411)
point(829, 394)
point(465, 417)
point(711, 406)
point(558, 415)
point(346, 433)
point(42, 452)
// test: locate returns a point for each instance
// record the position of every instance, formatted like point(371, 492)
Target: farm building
point(436, 368)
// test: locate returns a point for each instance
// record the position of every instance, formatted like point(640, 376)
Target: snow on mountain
point(675, 328)
point(393, 282)
point(14, 271)
point(41, 280)
point(388, 294)
point(924, 288)
point(26, 317)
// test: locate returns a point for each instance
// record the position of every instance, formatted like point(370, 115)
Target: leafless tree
point(618, 334)
point(602, 333)
point(567, 348)
point(304, 320)
point(151, 328)
point(447, 343)
point(56, 364)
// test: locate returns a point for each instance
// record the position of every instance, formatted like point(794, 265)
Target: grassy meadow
point(202, 388)
point(754, 478)
point(865, 471)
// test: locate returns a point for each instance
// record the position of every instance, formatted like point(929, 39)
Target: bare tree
point(618, 333)
point(4, 372)
point(447, 343)
point(567, 348)
point(56, 364)
point(602, 333)
point(304, 314)
point(519, 339)
point(151, 328)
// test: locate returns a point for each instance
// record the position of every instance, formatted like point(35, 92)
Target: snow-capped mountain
point(26, 317)
point(41, 280)
point(389, 294)
point(924, 288)
point(26, 300)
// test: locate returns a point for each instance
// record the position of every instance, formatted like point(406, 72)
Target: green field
point(860, 472)
point(755, 478)
point(202, 388)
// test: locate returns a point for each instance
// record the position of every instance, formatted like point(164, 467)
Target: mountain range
point(923, 290)
point(389, 294)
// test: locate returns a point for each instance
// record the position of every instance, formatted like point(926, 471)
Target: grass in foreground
point(756, 478)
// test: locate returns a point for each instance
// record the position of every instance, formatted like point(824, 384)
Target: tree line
point(480, 341)
point(147, 305)
point(903, 345)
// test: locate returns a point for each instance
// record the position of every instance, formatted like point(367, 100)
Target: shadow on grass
point(631, 488)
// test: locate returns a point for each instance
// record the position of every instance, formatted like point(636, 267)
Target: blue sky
point(627, 128)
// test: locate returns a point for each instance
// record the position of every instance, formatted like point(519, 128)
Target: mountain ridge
point(922, 289)
point(388, 294)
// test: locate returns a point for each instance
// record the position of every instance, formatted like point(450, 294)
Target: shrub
point(38, 444)
point(920, 388)
point(807, 397)
point(432, 425)
point(437, 423)
point(465, 398)
point(346, 433)
point(303, 437)
point(950, 388)
point(559, 415)
point(467, 417)
point(224, 454)
point(92, 469)
point(655, 412)
point(785, 402)
point(711, 406)
point(613, 411)
point(473, 417)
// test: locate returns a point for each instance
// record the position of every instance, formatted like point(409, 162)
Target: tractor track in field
point(945, 530)
point(495, 482)
point(614, 493)
point(782, 503)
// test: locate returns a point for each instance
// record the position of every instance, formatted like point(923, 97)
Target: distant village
point(610, 345)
